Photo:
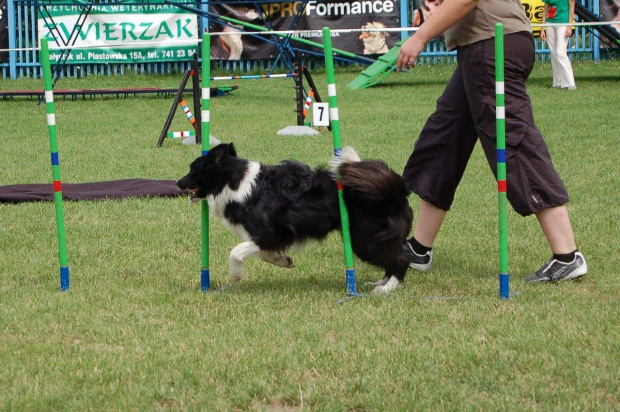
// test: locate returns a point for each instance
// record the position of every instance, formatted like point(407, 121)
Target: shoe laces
point(546, 267)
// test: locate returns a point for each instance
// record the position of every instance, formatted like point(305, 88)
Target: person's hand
point(409, 51)
point(543, 34)
point(569, 31)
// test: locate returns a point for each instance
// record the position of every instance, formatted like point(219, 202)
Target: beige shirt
point(479, 24)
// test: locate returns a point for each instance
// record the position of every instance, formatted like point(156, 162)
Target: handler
point(466, 112)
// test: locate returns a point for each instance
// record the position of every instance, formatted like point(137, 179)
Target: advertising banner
point(375, 14)
point(120, 33)
point(534, 10)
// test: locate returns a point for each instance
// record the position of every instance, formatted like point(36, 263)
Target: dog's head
point(373, 35)
point(374, 41)
point(209, 174)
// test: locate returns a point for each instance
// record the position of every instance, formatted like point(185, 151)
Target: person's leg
point(419, 249)
point(442, 150)
point(436, 167)
point(558, 230)
point(565, 69)
point(534, 187)
point(533, 182)
point(567, 262)
point(428, 222)
point(552, 42)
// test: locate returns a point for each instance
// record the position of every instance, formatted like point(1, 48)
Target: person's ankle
point(419, 248)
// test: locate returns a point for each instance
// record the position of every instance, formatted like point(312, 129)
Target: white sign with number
point(320, 114)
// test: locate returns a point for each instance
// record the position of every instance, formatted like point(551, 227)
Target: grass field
point(135, 332)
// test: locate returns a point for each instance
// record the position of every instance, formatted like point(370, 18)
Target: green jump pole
point(205, 129)
point(504, 277)
point(51, 127)
point(335, 123)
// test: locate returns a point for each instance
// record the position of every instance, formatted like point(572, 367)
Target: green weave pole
point(51, 127)
point(502, 184)
point(335, 123)
point(205, 129)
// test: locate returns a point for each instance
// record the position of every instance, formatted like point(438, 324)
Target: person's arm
point(543, 30)
point(446, 15)
point(571, 17)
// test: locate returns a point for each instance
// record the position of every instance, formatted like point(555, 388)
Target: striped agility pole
point(51, 126)
point(205, 129)
point(504, 277)
point(335, 122)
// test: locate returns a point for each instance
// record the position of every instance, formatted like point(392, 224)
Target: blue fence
point(24, 62)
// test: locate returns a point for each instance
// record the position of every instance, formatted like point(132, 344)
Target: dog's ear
point(216, 153)
point(231, 150)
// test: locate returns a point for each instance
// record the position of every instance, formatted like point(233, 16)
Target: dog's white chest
point(218, 203)
point(217, 210)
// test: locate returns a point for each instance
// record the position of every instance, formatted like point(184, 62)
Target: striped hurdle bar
point(188, 113)
point(308, 102)
point(504, 277)
point(254, 76)
point(186, 133)
point(51, 126)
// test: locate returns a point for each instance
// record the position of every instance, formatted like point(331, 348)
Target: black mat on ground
point(116, 189)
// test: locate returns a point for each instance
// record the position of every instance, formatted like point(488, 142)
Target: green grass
point(135, 332)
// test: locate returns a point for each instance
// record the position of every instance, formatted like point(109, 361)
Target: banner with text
point(534, 10)
point(120, 33)
point(371, 14)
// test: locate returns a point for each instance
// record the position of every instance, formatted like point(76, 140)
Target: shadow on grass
point(268, 284)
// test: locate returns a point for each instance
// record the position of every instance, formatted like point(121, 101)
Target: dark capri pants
point(466, 112)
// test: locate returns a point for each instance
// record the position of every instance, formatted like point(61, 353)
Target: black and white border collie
point(273, 208)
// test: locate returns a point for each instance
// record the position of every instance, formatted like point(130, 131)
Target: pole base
point(298, 131)
point(213, 141)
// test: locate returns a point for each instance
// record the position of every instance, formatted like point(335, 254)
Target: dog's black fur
point(272, 208)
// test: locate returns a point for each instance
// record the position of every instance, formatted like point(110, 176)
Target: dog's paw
point(286, 262)
point(235, 273)
point(277, 259)
point(388, 286)
point(380, 282)
point(236, 277)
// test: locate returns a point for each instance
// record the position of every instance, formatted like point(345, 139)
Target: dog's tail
point(371, 182)
point(379, 211)
point(347, 155)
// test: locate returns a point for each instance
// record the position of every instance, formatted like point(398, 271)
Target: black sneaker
point(556, 271)
point(418, 262)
